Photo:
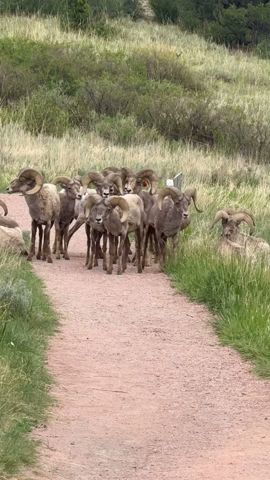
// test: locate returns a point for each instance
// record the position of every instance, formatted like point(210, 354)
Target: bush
point(124, 131)
point(166, 10)
point(78, 14)
point(46, 112)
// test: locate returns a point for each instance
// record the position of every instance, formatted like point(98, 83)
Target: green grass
point(236, 291)
point(26, 322)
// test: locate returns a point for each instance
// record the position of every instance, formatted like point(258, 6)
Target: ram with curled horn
point(233, 241)
point(164, 221)
point(44, 207)
point(111, 184)
point(107, 215)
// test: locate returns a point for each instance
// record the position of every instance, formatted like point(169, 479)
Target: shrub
point(46, 112)
point(123, 130)
point(78, 14)
point(166, 11)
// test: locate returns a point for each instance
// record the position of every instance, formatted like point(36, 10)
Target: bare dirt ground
point(144, 390)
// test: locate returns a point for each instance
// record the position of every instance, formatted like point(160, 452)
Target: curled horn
point(89, 202)
point(232, 211)
point(34, 175)
point(108, 170)
point(148, 178)
point(117, 180)
point(220, 215)
point(117, 201)
point(62, 179)
point(192, 193)
point(3, 205)
point(244, 217)
point(92, 177)
point(172, 192)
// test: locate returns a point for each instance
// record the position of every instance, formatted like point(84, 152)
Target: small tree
point(78, 13)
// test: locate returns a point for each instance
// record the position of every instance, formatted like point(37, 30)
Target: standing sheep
point(44, 207)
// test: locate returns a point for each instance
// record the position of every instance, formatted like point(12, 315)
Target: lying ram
point(232, 241)
point(11, 237)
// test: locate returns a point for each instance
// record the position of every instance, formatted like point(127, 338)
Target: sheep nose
point(79, 197)
point(185, 215)
point(98, 220)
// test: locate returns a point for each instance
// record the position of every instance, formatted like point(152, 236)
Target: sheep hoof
point(38, 256)
point(89, 267)
point(49, 260)
point(66, 257)
point(58, 257)
point(109, 272)
point(29, 258)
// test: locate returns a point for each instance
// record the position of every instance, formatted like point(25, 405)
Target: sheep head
point(112, 185)
point(3, 205)
point(147, 179)
point(172, 192)
point(71, 187)
point(92, 177)
point(129, 180)
point(29, 182)
point(231, 221)
point(117, 201)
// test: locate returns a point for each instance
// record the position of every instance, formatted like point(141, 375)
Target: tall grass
point(236, 291)
point(26, 321)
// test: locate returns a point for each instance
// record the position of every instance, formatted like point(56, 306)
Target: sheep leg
point(104, 250)
point(162, 252)
point(97, 248)
point(57, 237)
point(120, 254)
point(92, 241)
point(139, 249)
point(174, 242)
point(156, 248)
point(65, 235)
point(33, 240)
point(125, 254)
point(111, 253)
point(88, 237)
point(79, 222)
point(145, 245)
point(40, 231)
point(48, 254)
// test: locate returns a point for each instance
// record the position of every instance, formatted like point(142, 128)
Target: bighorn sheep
point(11, 237)
point(103, 212)
point(136, 182)
point(68, 195)
point(167, 217)
point(44, 207)
point(94, 231)
point(118, 222)
point(232, 240)
point(111, 184)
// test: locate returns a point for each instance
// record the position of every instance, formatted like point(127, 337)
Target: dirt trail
point(144, 390)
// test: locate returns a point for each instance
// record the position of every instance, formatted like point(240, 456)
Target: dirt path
point(145, 392)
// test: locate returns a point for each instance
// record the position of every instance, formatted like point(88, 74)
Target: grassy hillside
point(139, 94)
